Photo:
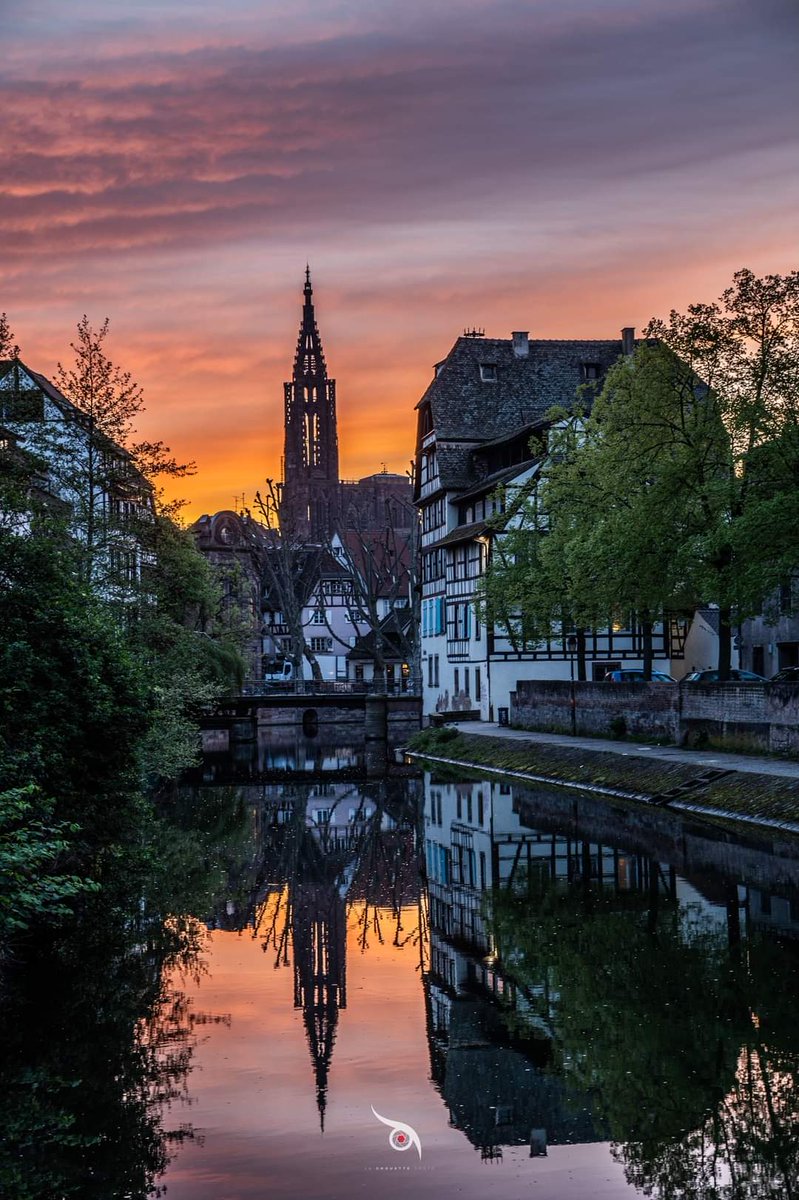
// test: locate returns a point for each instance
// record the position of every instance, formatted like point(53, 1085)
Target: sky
point(562, 166)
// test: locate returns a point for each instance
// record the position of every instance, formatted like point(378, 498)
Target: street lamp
point(571, 643)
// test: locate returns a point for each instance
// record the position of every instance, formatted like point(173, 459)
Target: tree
point(291, 569)
point(745, 350)
point(110, 480)
point(97, 473)
point(659, 499)
point(617, 494)
point(8, 347)
point(527, 591)
point(381, 579)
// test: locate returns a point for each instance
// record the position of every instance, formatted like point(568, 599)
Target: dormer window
point(488, 372)
point(590, 371)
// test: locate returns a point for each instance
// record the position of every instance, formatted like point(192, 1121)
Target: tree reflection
point(98, 1032)
point(684, 1035)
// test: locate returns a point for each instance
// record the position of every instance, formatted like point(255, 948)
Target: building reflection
point(328, 857)
point(592, 975)
point(491, 1038)
point(586, 976)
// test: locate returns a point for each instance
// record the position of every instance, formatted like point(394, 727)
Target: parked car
point(635, 675)
point(786, 675)
point(736, 676)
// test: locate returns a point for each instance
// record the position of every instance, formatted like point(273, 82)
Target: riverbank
point(719, 786)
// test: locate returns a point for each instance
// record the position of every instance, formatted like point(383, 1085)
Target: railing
point(326, 687)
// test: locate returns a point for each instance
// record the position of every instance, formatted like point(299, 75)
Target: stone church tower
point(310, 492)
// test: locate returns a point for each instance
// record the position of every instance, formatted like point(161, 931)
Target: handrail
point(324, 687)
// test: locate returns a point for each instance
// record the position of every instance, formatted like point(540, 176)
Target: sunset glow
point(563, 167)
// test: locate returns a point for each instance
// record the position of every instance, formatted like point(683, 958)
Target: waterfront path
point(706, 759)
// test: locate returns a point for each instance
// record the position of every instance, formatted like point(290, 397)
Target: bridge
point(322, 703)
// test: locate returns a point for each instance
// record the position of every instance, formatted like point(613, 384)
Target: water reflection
point(580, 990)
point(326, 852)
point(526, 978)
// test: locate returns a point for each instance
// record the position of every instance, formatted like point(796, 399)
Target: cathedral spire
point(310, 469)
point(309, 359)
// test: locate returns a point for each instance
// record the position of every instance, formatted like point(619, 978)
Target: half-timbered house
point(481, 438)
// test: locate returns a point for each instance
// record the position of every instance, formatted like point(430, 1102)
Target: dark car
point(636, 675)
point(786, 675)
point(736, 676)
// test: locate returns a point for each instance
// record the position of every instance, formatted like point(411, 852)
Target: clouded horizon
point(568, 167)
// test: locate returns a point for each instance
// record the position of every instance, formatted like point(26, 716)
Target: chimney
point(628, 340)
point(521, 343)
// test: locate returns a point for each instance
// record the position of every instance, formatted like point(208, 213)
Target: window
point(477, 684)
point(488, 372)
point(590, 370)
point(318, 617)
point(321, 645)
point(435, 671)
point(787, 654)
point(457, 683)
point(461, 621)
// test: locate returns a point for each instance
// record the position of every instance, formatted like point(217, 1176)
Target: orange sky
point(173, 166)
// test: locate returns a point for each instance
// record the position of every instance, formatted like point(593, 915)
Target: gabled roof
point(74, 414)
point(465, 407)
point(461, 533)
point(394, 631)
point(470, 412)
point(43, 383)
point(491, 482)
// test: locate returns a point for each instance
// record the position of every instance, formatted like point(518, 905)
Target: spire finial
point(308, 289)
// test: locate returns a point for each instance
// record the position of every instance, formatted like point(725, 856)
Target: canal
point(422, 985)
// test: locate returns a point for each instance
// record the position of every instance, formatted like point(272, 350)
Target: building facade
point(482, 440)
point(101, 495)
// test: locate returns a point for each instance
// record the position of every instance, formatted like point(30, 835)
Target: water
point(552, 995)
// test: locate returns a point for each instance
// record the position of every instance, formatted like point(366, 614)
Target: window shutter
point(467, 620)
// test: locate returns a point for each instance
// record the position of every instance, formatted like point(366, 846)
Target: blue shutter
point(440, 615)
point(467, 620)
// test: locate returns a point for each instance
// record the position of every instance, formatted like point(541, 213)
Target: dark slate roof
point(455, 466)
point(468, 412)
point(393, 626)
point(464, 407)
point(461, 533)
point(491, 482)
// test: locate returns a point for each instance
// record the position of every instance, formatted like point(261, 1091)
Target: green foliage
point(32, 843)
point(98, 698)
point(658, 500)
point(434, 738)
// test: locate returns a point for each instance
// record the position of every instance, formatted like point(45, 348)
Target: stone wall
point(757, 717)
point(647, 709)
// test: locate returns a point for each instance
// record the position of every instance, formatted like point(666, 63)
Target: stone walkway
point(717, 759)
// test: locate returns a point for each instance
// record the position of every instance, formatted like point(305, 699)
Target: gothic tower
point(310, 492)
